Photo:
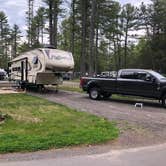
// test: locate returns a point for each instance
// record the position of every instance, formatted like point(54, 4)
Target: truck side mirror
point(148, 78)
point(153, 80)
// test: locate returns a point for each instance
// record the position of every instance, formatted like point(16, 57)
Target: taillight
point(81, 82)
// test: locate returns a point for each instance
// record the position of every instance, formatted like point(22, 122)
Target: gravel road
point(139, 127)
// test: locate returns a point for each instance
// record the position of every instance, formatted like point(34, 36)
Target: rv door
point(24, 70)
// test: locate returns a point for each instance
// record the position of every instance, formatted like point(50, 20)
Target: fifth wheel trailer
point(41, 67)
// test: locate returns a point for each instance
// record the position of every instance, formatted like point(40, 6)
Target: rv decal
point(36, 63)
point(58, 57)
point(35, 60)
point(53, 56)
point(47, 52)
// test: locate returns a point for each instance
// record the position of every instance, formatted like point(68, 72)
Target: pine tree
point(15, 37)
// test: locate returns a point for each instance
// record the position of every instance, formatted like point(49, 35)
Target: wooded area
point(102, 34)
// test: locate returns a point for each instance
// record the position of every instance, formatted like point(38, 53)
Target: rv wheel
point(41, 88)
point(22, 86)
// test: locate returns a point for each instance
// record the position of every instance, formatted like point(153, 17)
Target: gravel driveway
point(138, 126)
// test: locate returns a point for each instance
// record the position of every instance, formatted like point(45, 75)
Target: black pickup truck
point(135, 82)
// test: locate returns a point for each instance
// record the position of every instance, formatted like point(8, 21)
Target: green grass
point(37, 124)
point(72, 89)
point(114, 96)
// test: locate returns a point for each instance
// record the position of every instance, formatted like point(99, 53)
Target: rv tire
point(40, 88)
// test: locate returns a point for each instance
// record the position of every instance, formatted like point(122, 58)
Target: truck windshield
point(157, 75)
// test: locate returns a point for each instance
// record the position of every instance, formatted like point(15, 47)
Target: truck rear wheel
point(94, 93)
point(164, 101)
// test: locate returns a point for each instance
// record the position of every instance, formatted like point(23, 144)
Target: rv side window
point(16, 68)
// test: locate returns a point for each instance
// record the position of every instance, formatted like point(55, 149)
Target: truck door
point(109, 84)
point(126, 83)
point(146, 85)
point(135, 83)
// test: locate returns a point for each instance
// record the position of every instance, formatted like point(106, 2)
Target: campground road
point(150, 156)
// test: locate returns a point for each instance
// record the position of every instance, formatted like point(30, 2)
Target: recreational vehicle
point(41, 67)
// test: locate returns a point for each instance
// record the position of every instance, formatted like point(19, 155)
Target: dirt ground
point(10, 91)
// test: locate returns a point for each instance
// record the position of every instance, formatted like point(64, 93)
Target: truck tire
point(164, 101)
point(94, 93)
point(40, 88)
point(23, 86)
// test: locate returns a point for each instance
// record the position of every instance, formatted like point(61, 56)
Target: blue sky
point(15, 9)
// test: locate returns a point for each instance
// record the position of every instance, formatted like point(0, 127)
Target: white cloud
point(134, 2)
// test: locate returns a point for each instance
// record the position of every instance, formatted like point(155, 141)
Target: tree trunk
point(126, 44)
point(42, 33)
point(55, 24)
point(73, 28)
point(83, 42)
point(92, 35)
point(51, 22)
point(96, 50)
point(15, 45)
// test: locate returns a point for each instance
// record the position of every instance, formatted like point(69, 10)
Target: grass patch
point(114, 96)
point(37, 124)
point(124, 97)
point(72, 89)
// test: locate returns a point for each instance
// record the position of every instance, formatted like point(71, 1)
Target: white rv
point(40, 67)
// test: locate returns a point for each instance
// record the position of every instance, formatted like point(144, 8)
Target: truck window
point(145, 76)
point(141, 75)
point(127, 75)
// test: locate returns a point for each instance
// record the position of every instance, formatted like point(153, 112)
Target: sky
point(16, 9)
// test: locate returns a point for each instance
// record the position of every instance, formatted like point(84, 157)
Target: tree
point(4, 40)
point(92, 36)
point(84, 11)
point(73, 22)
point(29, 18)
point(129, 22)
point(54, 11)
point(41, 19)
point(15, 37)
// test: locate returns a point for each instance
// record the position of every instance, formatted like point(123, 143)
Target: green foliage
point(107, 39)
point(4, 40)
point(37, 124)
